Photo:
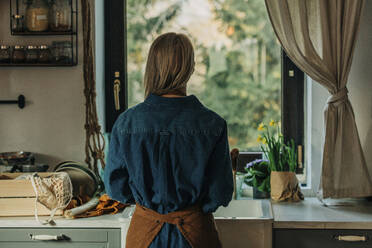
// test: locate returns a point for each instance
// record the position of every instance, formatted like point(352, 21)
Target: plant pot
point(257, 194)
point(284, 187)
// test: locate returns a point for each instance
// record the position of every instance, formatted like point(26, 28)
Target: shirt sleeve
point(116, 177)
point(219, 184)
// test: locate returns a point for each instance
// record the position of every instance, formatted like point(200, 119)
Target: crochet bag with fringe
point(54, 192)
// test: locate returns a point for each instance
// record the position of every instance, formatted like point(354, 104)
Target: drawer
point(316, 238)
point(74, 235)
point(52, 245)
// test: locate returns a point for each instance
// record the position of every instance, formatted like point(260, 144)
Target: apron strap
point(198, 228)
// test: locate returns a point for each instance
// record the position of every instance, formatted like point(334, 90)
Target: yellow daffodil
point(272, 123)
point(261, 127)
point(264, 141)
point(259, 138)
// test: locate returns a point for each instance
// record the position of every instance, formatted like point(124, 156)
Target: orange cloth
point(199, 229)
point(105, 206)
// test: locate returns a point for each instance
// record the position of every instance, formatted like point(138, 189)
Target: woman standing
point(170, 156)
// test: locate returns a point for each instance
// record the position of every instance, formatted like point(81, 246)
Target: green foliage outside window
point(237, 75)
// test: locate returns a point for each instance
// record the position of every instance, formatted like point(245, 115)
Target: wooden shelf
point(48, 35)
point(35, 65)
point(44, 33)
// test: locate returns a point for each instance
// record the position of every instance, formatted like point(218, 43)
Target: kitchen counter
point(104, 221)
point(237, 209)
point(242, 223)
point(309, 213)
point(312, 214)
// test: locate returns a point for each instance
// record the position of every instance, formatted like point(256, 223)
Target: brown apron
point(199, 229)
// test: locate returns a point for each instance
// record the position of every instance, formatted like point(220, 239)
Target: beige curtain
point(320, 36)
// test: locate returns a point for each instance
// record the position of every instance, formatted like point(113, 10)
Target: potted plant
point(282, 163)
point(258, 177)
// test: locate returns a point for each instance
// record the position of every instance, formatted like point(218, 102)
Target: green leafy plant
point(258, 175)
point(282, 156)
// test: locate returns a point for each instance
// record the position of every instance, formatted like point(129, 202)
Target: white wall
point(360, 83)
point(52, 123)
point(360, 94)
point(100, 59)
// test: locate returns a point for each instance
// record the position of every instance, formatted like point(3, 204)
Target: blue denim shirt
point(167, 154)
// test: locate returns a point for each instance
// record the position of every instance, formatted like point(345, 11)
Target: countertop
point(309, 213)
point(312, 214)
point(237, 209)
point(242, 210)
point(104, 221)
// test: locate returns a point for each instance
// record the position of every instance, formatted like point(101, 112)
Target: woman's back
point(170, 156)
point(171, 153)
point(172, 150)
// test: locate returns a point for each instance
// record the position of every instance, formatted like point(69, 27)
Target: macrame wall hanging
point(95, 142)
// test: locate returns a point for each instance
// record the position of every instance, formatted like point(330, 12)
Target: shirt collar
point(172, 101)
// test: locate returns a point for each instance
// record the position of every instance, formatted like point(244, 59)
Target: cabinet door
point(245, 233)
point(75, 237)
point(114, 238)
point(306, 238)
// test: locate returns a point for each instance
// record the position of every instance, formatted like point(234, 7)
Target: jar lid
point(43, 47)
point(3, 47)
point(19, 47)
point(31, 47)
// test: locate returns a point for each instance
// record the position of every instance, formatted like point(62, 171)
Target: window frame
point(115, 60)
point(293, 104)
point(292, 88)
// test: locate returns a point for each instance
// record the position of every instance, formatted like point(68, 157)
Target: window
point(241, 72)
point(238, 59)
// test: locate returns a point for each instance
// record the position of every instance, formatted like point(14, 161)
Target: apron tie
point(198, 228)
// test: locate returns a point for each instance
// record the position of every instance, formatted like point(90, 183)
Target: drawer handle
point(43, 237)
point(351, 238)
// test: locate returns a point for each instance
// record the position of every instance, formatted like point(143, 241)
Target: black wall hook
point(21, 101)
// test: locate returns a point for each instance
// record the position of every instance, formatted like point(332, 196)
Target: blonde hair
point(170, 64)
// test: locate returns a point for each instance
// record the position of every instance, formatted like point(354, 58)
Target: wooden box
point(17, 197)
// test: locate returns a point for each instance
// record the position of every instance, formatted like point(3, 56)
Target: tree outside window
point(237, 71)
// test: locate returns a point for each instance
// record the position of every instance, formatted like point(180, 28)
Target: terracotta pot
point(284, 187)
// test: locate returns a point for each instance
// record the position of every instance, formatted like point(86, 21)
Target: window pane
point(237, 71)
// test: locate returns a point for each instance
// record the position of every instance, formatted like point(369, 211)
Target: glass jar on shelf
point(66, 57)
point(32, 54)
point(62, 52)
point(60, 16)
point(18, 54)
point(37, 13)
point(44, 55)
point(4, 54)
point(18, 23)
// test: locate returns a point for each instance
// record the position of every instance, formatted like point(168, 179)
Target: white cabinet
point(71, 237)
